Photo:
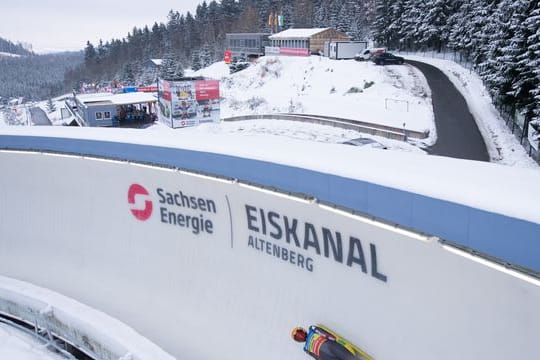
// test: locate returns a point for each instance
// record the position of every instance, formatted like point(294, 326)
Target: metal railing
point(61, 326)
point(44, 336)
point(386, 131)
point(75, 114)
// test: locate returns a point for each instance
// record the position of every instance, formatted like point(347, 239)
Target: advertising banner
point(164, 102)
point(206, 90)
point(188, 102)
point(293, 51)
point(147, 89)
point(227, 56)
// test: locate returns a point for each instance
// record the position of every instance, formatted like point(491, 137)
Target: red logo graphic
point(144, 213)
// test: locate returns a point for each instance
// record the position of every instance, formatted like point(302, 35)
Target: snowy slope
point(390, 95)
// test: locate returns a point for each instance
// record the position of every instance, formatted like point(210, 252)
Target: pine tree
point(18, 49)
point(321, 16)
point(345, 16)
point(402, 28)
point(248, 20)
point(128, 74)
point(433, 31)
point(288, 13)
point(479, 41)
point(264, 8)
point(358, 28)
point(206, 56)
point(459, 28)
point(380, 29)
point(527, 88)
point(333, 14)
point(303, 13)
point(171, 68)
point(501, 68)
point(196, 61)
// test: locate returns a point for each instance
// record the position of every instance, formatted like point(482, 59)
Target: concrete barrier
point(60, 318)
point(389, 132)
point(513, 241)
point(210, 268)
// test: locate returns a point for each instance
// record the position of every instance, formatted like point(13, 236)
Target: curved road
point(457, 133)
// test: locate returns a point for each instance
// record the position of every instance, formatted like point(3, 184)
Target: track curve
point(167, 251)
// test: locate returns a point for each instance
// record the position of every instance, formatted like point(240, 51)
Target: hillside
point(37, 77)
point(265, 88)
point(392, 95)
point(8, 48)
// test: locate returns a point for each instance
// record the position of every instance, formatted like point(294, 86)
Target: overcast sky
point(56, 25)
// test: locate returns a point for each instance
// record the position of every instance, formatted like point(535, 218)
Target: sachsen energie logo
point(173, 208)
point(136, 190)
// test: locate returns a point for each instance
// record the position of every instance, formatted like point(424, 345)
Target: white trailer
point(346, 49)
point(326, 49)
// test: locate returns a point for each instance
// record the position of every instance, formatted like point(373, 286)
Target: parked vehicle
point(368, 53)
point(345, 49)
point(387, 58)
point(238, 66)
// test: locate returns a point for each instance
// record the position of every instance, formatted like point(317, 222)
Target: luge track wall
point(210, 267)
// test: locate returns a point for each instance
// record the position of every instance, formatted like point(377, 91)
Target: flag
point(270, 19)
point(280, 20)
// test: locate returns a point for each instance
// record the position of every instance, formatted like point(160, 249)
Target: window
point(99, 115)
point(107, 115)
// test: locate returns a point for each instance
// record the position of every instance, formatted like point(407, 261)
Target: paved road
point(457, 133)
point(39, 117)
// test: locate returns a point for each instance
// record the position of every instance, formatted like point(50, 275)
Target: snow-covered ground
point(18, 345)
point(396, 96)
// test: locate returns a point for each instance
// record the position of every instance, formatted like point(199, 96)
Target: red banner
point(206, 89)
point(294, 51)
point(166, 88)
point(147, 89)
point(227, 57)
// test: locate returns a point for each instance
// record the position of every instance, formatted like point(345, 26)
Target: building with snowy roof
point(246, 45)
point(108, 109)
point(307, 41)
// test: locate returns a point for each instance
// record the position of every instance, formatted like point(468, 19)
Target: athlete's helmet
point(299, 334)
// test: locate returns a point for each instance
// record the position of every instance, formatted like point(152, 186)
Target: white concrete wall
point(67, 224)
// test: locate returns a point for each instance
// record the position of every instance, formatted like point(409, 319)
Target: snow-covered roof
point(117, 99)
point(157, 62)
point(297, 33)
